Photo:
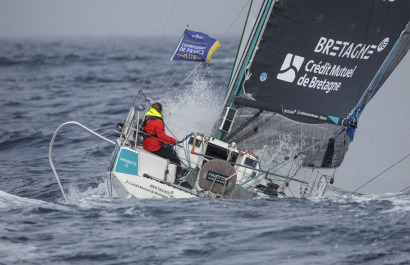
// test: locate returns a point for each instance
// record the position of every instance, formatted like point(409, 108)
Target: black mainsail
point(317, 64)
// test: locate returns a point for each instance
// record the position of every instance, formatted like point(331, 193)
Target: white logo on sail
point(383, 44)
point(349, 50)
point(291, 65)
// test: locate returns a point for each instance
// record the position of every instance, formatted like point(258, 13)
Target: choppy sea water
point(45, 82)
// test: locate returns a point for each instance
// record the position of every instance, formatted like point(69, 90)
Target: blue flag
point(195, 46)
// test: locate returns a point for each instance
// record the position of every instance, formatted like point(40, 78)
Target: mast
point(253, 22)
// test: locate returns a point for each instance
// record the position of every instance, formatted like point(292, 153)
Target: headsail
point(318, 63)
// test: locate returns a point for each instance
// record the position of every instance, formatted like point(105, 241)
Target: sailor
point(155, 139)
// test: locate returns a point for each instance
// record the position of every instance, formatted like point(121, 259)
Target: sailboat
point(303, 74)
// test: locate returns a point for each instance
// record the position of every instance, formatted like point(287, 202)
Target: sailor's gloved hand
point(178, 143)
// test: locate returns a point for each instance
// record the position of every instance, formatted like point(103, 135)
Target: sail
point(316, 63)
point(316, 59)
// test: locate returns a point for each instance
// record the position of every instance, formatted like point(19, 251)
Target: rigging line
point(315, 156)
point(290, 191)
point(175, 90)
point(253, 130)
point(240, 13)
point(217, 21)
point(382, 173)
point(247, 135)
point(336, 133)
point(285, 161)
point(162, 76)
point(293, 157)
point(169, 145)
point(405, 189)
point(202, 62)
point(173, 74)
point(193, 14)
point(243, 126)
point(162, 35)
point(149, 102)
point(179, 127)
point(290, 169)
point(313, 185)
point(251, 50)
point(310, 177)
point(169, 62)
point(304, 179)
point(347, 190)
point(233, 71)
point(334, 172)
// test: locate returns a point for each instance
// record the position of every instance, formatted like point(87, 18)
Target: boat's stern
point(142, 174)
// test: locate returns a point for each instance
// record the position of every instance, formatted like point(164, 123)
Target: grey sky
point(121, 17)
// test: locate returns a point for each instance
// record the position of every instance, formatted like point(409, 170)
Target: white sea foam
point(194, 108)
point(19, 253)
point(8, 200)
point(74, 195)
point(395, 202)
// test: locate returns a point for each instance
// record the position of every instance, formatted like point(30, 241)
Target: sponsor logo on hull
point(127, 162)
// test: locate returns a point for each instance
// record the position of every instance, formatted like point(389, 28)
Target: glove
point(169, 145)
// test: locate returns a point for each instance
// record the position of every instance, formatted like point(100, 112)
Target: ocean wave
point(386, 203)
point(9, 200)
point(5, 61)
point(14, 140)
point(65, 60)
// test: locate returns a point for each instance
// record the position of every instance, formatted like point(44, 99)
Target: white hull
point(141, 174)
point(128, 186)
point(135, 172)
point(211, 168)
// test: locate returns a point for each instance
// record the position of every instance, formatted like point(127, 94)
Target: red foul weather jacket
point(154, 128)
